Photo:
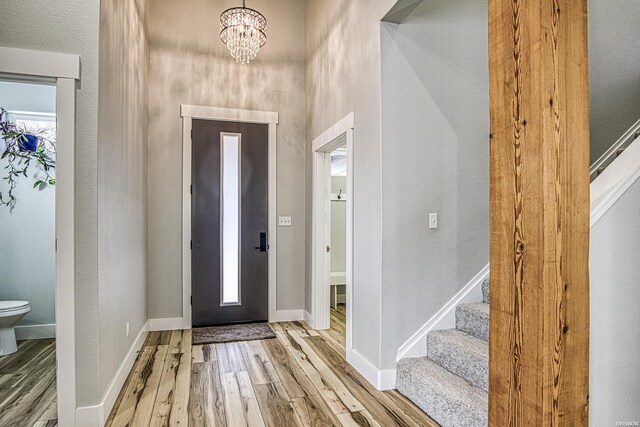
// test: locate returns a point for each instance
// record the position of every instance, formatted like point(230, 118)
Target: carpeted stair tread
point(473, 318)
point(445, 397)
point(485, 291)
point(462, 354)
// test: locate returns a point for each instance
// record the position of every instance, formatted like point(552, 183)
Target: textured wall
point(27, 235)
point(615, 319)
point(614, 71)
point(190, 65)
point(435, 158)
point(343, 75)
point(122, 180)
point(71, 26)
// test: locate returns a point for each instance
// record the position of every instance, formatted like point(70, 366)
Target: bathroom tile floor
point(28, 385)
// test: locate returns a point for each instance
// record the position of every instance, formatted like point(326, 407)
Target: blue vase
point(28, 142)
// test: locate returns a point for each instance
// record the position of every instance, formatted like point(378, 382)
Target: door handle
point(263, 243)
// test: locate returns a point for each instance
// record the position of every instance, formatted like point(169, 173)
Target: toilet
point(11, 312)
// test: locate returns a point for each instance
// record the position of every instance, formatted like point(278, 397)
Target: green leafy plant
point(22, 151)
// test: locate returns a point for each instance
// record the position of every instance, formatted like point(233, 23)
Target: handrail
point(604, 159)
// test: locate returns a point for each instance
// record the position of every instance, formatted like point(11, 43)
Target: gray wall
point(27, 235)
point(122, 181)
point(614, 71)
point(614, 78)
point(27, 251)
point(338, 227)
point(435, 158)
point(35, 98)
point(71, 26)
point(190, 65)
point(343, 76)
point(615, 319)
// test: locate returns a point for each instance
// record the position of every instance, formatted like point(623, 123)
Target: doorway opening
point(338, 243)
point(27, 250)
point(47, 136)
point(332, 223)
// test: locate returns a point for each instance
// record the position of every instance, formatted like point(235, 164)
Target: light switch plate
point(284, 221)
point(433, 220)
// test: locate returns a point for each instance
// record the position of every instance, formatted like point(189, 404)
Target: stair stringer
point(416, 345)
point(615, 180)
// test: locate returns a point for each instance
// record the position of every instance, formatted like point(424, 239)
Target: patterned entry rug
point(231, 333)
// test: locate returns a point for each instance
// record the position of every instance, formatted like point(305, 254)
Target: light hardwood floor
point(299, 378)
point(28, 385)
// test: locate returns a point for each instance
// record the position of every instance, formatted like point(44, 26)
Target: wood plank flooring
point(28, 385)
point(300, 378)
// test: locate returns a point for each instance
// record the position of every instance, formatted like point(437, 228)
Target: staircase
point(450, 384)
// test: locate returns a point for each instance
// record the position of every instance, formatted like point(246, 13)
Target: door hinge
point(191, 133)
point(191, 299)
point(56, 245)
point(191, 189)
point(328, 248)
point(190, 244)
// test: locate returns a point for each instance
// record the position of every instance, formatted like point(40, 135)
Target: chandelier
point(244, 31)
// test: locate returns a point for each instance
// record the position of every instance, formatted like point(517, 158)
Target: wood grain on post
point(539, 107)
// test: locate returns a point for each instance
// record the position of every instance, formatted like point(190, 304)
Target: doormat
point(232, 333)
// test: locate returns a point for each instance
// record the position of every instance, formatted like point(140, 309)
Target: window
point(230, 218)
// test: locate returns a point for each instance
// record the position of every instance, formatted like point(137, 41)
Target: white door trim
point(37, 63)
point(320, 278)
point(189, 113)
point(64, 71)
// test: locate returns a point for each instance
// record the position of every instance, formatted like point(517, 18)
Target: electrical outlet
point(284, 221)
point(433, 220)
point(127, 329)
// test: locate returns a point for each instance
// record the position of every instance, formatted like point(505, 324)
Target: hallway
point(298, 379)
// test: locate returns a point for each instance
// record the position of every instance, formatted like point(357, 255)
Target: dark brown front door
point(229, 222)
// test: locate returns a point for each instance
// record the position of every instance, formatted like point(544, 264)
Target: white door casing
point(63, 70)
point(339, 134)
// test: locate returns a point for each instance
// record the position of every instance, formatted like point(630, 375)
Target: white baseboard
point(35, 332)
point(387, 379)
point(287, 316)
point(90, 416)
point(307, 317)
point(380, 379)
point(416, 345)
point(96, 415)
point(169, 324)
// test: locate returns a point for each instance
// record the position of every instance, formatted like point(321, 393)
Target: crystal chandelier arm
point(243, 30)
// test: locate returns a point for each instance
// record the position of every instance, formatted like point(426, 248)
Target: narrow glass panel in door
point(230, 218)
